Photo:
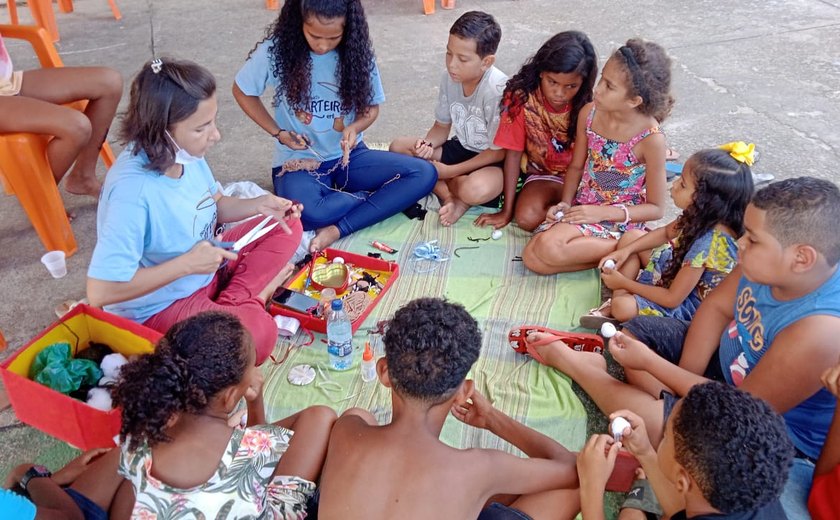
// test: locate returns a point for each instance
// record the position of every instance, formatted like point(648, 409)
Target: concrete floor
point(766, 71)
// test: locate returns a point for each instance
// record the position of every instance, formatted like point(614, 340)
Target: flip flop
point(622, 478)
point(641, 497)
point(596, 317)
point(672, 170)
point(67, 306)
point(671, 154)
point(579, 341)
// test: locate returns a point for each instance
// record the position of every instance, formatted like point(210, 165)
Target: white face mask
point(182, 156)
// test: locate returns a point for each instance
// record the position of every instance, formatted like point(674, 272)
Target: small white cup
point(55, 262)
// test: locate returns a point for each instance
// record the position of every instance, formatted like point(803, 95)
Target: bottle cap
point(337, 304)
point(368, 353)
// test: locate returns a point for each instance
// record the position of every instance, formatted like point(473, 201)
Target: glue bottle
point(339, 337)
point(368, 364)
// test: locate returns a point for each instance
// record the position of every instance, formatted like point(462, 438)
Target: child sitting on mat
point(468, 164)
point(403, 470)
point(724, 455)
point(538, 126)
point(689, 257)
point(616, 179)
point(183, 445)
point(770, 328)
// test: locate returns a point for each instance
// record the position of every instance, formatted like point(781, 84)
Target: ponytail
point(196, 359)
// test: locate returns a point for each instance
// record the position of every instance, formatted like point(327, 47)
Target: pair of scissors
point(256, 232)
point(309, 147)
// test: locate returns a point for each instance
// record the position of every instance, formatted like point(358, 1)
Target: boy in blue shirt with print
point(770, 328)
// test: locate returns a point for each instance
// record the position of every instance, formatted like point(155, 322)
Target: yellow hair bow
point(740, 151)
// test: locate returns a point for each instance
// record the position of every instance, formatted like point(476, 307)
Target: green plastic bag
point(56, 368)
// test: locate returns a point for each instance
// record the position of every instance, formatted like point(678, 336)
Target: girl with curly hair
point(538, 124)
point(183, 444)
point(158, 258)
point(617, 181)
point(319, 59)
point(683, 261)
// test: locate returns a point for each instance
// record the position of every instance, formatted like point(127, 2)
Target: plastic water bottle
point(339, 337)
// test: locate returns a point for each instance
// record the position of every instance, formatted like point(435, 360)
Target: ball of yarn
point(99, 398)
point(112, 363)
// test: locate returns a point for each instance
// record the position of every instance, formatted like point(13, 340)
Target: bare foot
point(82, 184)
point(451, 211)
point(324, 238)
point(558, 355)
point(276, 282)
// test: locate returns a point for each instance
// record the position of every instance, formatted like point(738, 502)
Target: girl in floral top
point(617, 181)
point(689, 257)
point(183, 448)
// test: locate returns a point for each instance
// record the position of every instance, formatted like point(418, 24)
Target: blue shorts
point(665, 336)
point(89, 508)
point(497, 511)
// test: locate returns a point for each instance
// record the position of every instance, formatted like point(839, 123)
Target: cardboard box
point(387, 273)
point(59, 415)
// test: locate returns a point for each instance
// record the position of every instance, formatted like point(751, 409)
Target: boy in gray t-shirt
point(469, 165)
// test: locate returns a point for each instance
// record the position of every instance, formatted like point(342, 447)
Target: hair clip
point(157, 64)
point(740, 151)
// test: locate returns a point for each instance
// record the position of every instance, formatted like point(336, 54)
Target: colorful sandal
point(596, 317)
point(579, 341)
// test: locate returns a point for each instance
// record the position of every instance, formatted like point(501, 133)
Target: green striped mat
point(498, 292)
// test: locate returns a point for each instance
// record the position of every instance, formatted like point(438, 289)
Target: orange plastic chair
point(24, 168)
point(42, 12)
point(272, 4)
point(429, 5)
point(66, 6)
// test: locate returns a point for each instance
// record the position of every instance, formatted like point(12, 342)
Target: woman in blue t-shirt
point(319, 59)
point(158, 257)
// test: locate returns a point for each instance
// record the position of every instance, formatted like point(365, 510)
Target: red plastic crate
point(59, 415)
point(316, 324)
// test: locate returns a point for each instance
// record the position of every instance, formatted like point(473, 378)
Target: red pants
point(235, 288)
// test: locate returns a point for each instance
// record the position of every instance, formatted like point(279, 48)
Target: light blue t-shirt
point(16, 506)
point(145, 219)
point(323, 123)
point(759, 317)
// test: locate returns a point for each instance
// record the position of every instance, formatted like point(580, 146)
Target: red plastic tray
point(388, 270)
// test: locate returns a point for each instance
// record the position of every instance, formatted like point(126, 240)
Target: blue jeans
point(794, 497)
point(373, 187)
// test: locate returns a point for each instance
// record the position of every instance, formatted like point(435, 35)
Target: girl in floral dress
point(616, 182)
point(183, 446)
point(683, 261)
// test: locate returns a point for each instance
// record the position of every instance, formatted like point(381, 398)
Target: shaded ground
point(761, 71)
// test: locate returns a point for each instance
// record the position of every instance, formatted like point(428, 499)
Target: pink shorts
point(235, 288)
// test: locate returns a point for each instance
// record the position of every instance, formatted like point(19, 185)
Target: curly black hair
point(648, 70)
point(723, 190)
point(157, 101)
point(803, 210)
point(481, 27)
point(292, 64)
point(566, 52)
point(430, 346)
point(733, 445)
point(196, 359)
